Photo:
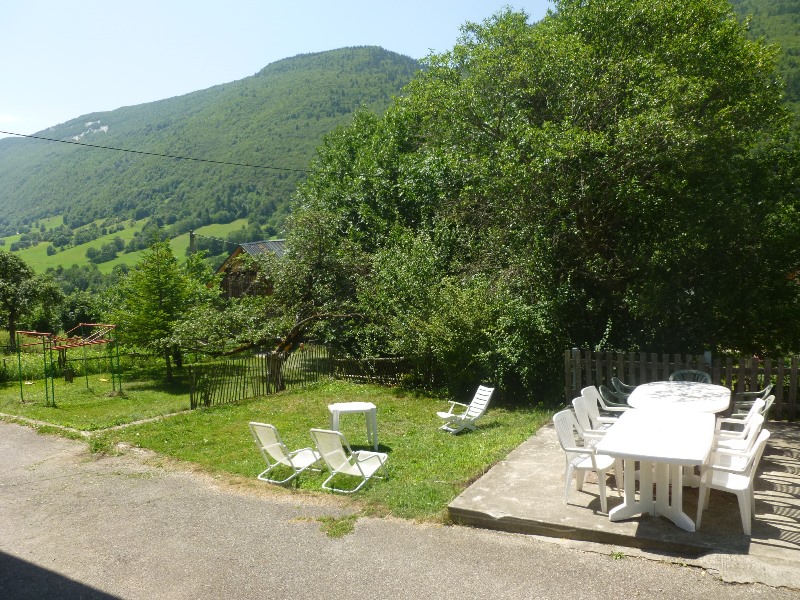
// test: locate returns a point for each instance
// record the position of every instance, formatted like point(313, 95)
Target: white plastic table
point(667, 441)
point(368, 408)
point(690, 395)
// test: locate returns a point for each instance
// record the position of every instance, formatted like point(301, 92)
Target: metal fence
point(739, 373)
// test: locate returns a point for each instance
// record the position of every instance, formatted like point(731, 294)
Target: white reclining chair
point(277, 454)
point(341, 460)
point(455, 422)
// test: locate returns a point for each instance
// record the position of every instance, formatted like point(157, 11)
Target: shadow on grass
point(178, 387)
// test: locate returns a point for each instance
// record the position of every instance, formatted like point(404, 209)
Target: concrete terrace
point(524, 494)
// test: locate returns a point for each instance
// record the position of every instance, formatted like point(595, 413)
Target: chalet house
point(240, 278)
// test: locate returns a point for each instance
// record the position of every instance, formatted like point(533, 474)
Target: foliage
point(250, 321)
point(27, 299)
point(154, 296)
point(16, 292)
point(778, 22)
point(46, 313)
point(621, 173)
point(459, 329)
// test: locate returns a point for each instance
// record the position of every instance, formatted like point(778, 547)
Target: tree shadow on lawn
point(178, 387)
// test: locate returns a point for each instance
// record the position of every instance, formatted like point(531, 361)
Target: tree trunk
point(178, 356)
point(275, 361)
point(12, 333)
point(168, 359)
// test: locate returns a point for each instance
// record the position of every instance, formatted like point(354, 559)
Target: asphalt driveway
point(73, 525)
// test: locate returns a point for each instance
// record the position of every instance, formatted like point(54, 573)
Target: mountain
point(273, 120)
point(778, 22)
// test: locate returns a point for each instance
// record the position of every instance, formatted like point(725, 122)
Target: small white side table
point(370, 412)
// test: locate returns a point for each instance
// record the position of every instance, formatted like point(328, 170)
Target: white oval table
point(690, 395)
point(663, 442)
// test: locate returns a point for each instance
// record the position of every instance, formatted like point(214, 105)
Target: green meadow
point(37, 258)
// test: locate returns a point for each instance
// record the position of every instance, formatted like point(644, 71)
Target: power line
point(205, 160)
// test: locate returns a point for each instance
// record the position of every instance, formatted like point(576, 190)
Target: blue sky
point(65, 58)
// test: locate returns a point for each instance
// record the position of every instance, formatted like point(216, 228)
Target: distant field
point(37, 258)
point(221, 230)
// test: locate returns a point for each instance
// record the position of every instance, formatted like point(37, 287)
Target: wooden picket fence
point(739, 373)
point(251, 376)
point(383, 371)
point(241, 378)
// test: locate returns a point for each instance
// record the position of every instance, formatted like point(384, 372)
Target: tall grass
point(33, 358)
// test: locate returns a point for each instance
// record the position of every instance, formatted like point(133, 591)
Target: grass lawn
point(427, 468)
point(91, 406)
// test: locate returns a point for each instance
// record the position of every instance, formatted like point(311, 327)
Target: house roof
point(262, 247)
point(254, 249)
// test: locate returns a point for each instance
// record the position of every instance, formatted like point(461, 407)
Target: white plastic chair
point(587, 411)
point(594, 425)
point(743, 401)
point(456, 422)
point(580, 458)
point(277, 454)
point(763, 410)
point(767, 405)
point(341, 460)
point(690, 375)
point(740, 441)
point(734, 426)
point(733, 472)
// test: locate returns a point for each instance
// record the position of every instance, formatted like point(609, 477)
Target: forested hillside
point(273, 120)
point(778, 22)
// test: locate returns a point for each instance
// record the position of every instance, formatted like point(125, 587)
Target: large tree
point(153, 298)
point(17, 292)
point(622, 170)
